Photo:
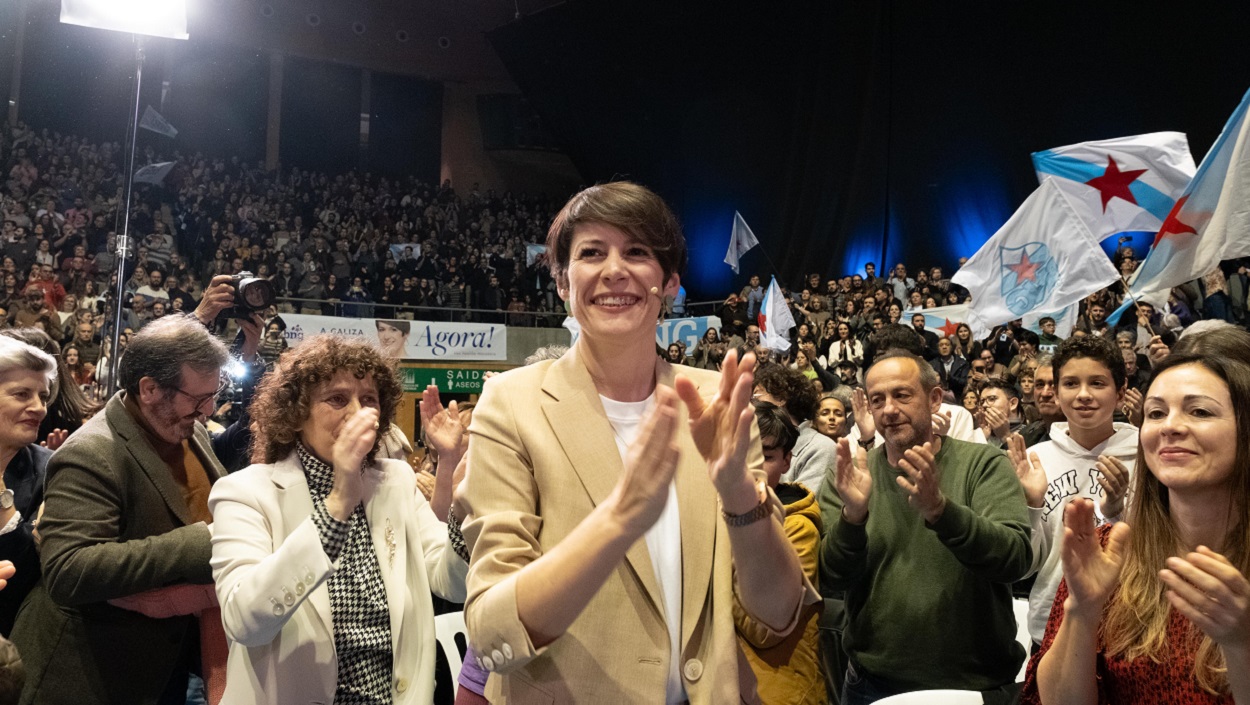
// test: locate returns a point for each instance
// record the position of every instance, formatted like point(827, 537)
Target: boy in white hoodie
point(1089, 455)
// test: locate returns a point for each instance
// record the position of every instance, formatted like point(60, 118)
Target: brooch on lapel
point(390, 543)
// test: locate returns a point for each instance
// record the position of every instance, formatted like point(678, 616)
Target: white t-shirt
point(663, 538)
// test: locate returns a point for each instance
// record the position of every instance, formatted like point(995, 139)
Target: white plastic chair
point(446, 627)
point(935, 697)
point(1021, 608)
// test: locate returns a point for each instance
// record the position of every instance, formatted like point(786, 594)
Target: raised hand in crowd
point(995, 423)
point(650, 463)
point(1029, 470)
point(350, 449)
point(722, 431)
point(1158, 351)
point(55, 439)
point(1132, 406)
point(941, 423)
point(863, 417)
point(853, 481)
point(7, 571)
point(447, 437)
point(218, 296)
point(1206, 588)
point(1113, 477)
point(425, 483)
point(1091, 570)
point(921, 480)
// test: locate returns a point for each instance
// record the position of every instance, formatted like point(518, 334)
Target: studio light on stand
point(139, 18)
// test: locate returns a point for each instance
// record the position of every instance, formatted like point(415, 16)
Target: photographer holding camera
point(226, 294)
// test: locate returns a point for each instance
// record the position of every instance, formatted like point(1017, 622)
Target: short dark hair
point(1044, 320)
point(791, 387)
point(632, 208)
point(775, 423)
point(1095, 348)
point(891, 336)
point(1024, 335)
point(1009, 388)
point(162, 347)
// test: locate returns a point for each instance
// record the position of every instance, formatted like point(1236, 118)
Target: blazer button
point(496, 657)
point(401, 685)
point(487, 664)
point(693, 669)
point(507, 652)
point(299, 588)
point(308, 576)
point(278, 609)
point(287, 598)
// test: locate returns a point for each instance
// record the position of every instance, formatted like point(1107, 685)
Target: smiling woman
point(26, 373)
point(601, 576)
point(1162, 612)
point(324, 558)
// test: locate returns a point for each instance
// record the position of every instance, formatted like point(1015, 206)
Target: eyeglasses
point(200, 400)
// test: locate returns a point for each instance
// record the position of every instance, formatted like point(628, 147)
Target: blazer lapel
point(581, 427)
point(390, 544)
point(140, 448)
point(696, 502)
point(296, 500)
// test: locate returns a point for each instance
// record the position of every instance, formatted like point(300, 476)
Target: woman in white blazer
point(323, 557)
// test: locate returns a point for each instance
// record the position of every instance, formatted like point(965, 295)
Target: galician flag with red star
point(1210, 222)
point(945, 320)
point(1043, 259)
point(1126, 184)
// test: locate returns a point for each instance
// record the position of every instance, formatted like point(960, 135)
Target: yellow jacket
point(788, 668)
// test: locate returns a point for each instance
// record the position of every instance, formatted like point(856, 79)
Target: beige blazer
point(271, 573)
point(541, 457)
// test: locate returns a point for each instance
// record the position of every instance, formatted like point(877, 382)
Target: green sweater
point(930, 606)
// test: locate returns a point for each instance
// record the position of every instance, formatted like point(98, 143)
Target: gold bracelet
point(761, 510)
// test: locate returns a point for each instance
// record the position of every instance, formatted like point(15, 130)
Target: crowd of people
point(843, 521)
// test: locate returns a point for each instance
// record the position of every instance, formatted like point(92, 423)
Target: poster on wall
point(408, 340)
point(668, 331)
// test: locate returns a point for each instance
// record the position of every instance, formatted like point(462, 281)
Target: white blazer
point(271, 571)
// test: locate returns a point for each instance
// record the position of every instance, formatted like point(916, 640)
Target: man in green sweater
point(925, 535)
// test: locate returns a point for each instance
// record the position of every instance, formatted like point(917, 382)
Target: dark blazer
point(25, 476)
point(957, 379)
point(115, 524)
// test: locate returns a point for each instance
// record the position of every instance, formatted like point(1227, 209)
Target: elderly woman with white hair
point(26, 376)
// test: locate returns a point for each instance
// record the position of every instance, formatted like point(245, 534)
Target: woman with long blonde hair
point(1160, 613)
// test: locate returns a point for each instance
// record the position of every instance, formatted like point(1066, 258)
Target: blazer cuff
point(495, 628)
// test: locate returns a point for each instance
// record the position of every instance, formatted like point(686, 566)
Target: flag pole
point(1129, 292)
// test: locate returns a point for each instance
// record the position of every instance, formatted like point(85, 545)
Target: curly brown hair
point(283, 398)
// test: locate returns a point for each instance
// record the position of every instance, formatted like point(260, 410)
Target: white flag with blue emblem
point(775, 320)
point(740, 240)
point(157, 123)
point(1043, 259)
point(1127, 184)
point(153, 173)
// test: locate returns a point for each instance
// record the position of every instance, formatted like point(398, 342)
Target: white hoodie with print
point(1072, 472)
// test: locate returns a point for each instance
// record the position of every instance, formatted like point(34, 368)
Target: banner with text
point(408, 340)
point(450, 380)
point(668, 331)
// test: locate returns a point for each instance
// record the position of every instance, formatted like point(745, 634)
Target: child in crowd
point(1089, 455)
point(788, 670)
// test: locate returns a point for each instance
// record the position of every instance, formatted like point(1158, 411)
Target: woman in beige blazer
point(608, 499)
point(323, 557)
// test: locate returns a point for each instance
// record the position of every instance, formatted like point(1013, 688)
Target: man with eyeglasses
point(125, 531)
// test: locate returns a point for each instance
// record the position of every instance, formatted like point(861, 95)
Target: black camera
point(251, 294)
